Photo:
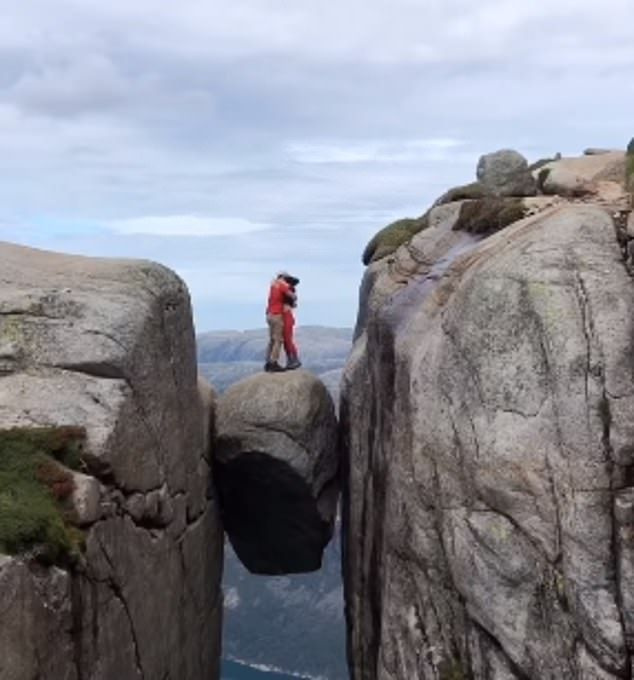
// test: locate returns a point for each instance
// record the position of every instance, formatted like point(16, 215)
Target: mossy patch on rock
point(489, 214)
point(451, 670)
point(388, 239)
point(465, 192)
point(35, 490)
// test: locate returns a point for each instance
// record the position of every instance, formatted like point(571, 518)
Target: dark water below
point(231, 670)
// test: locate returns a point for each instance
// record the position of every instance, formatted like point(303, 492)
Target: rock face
point(598, 177)
point(505, 173)
point(277, 463)
point(488, 425)
point(109, 346)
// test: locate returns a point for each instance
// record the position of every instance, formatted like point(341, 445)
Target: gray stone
point(609, 167)
point(630, 225)
point(561, 181)
point(109, 345)
point(35, 623)
point(488, 421)
point(506, 173)
point(86, 499)
point(277, 463)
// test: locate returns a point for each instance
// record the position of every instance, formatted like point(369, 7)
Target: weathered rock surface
point(506, 173)
point(109, 345)
point(562, 181)
point(599, 175)
point(488, 424)
point(277, 463)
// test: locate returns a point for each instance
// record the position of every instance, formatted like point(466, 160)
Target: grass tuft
point(388, 239)
point(35, 490)
point(471, 191)
point(489, 214)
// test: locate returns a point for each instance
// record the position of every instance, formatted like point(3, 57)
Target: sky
point(229, 139)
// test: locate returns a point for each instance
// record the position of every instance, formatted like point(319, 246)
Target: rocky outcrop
point(506, 173)
point(108, 348)
point(487, 414)
point(277, 464)
point(599, 177)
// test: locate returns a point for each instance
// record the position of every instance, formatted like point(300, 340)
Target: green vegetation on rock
point(465, 192)
point(489, 214)
point(388, 239)
point(35, 490)
point(451, 670)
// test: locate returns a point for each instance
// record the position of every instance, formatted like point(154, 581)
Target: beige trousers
point(276, 336)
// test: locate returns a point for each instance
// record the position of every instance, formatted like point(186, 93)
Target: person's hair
point(291, 280)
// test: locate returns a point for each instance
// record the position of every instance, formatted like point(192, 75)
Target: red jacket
point(279, 288)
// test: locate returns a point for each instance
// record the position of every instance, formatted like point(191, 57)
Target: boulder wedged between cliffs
point(277, 463)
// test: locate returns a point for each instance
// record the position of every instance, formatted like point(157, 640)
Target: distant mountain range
point(293, 623)
point(228, 356)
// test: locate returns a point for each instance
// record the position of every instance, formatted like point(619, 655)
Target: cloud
point(374, 151)
point(92, 84)
point(185, 225)
point(230, 139)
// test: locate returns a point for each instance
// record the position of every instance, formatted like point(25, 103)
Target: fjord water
point(231, 670)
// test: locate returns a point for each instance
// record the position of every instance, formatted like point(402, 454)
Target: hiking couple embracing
point(281, 322)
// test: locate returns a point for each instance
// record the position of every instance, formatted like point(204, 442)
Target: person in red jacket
point(279, 293)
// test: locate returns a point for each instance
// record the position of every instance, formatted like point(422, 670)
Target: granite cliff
point(488, 426)
point(108, 519)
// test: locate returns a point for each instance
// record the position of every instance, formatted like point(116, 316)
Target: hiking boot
point(292, 363)
point(272, 367)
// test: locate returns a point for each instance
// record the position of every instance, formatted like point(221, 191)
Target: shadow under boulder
point(277, 471)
